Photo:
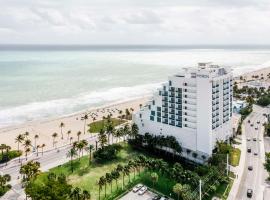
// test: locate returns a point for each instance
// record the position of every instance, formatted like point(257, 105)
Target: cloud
point(139, 22)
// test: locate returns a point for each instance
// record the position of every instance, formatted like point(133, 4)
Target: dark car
point(250, 168)
point(254, 139)
point(256, 128)
point(248, 121)
point(258, 122)
point(249, 193)
point(251, 124)
point(255, 153)
point(249, 150)
point(157, 197)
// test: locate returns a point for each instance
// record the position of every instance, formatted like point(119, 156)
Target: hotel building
point(194, 106)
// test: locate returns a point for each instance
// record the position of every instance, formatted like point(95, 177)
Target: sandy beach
point(264, 72)
point(45, 128)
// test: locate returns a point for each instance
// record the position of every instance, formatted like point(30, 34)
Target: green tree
point(30, 170)
point(177, 189)
point(71, 154)
point(134, 130)
point(54, 136)
point(84, 118)
point(78, 135)
point(62, 125)
point(102, 139)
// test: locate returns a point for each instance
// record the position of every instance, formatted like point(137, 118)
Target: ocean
point(39, 82)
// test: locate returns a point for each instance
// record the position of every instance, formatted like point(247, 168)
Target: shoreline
point(44, 128)
point(80, 112)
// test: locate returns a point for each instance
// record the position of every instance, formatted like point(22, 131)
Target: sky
point(170, 22)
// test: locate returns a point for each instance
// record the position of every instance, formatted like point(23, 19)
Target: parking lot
point(148, 195)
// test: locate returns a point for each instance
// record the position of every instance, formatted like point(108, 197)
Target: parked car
point(254, 139)
point(249, 150)
point(250, 168)
point(251, 124)
point(164, 198)
point(249, 193)
point(256, 128)
point(255, 153)
point(142, 190)
point(248, 139)
point(248, 121)
point(137, 188)
point(157, 197)
point(258, 122)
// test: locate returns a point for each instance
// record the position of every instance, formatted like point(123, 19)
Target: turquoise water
point(37, 84)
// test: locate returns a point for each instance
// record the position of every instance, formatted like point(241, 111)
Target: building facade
point(194, 106)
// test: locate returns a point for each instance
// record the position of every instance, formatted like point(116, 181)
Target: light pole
point(227, 164)
point(200, 187)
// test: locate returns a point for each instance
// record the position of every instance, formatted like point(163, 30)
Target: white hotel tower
point(195, 106)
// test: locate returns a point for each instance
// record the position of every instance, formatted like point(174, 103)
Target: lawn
point(235, 154)
point(95, 127)
point(86, 177)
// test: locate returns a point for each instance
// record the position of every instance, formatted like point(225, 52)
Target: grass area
point(222, 191)
point(95, 127)
point(235, 154)
point(86, 177)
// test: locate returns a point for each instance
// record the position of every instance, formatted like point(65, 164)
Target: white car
point(137, 188)
point(142, 190)
point(248, 139)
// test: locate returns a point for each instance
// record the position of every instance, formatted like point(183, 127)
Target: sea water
point(38, 82)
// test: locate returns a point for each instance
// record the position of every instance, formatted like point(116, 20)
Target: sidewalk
point(239, 170)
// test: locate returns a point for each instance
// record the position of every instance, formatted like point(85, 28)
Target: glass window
point(158, 108)
point(159, 119)
point(152, 112)
point(152, 118)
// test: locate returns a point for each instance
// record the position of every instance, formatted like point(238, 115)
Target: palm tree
point(134, 130)
point(38, 146)
point(84, 117)
point(132, 164)
point(91, 148)
point(71, 154)
point(26, 134)
point(101, 183)
point(154, 178)
point(120, 169)
point(109, 130)
point(84, 144)
point(86, 195)
point(61, 129)
point(4, 179)
point(115, 175)
point(127, 172)
point(108, 177)
point(177, 189)
point(19, 139)
point(75, 193)
point(78, 135)
point(42, 146)
point(27, 150)
point(54, 136)
point(70, 140)
point(35, 138)
point(68, 133)
point(8, 148)
point(102, 139)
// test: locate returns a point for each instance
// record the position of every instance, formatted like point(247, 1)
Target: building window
point(158, 109)
point(152, 118)
point(152, 112)
point(149, 107)
point(153, 102)
point(140, 115)
point(159, 119)
point(160, 93)
point(159, 114)
point(170, 83)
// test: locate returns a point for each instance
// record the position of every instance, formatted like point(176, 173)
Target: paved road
point(49, 159)
point(254, 179)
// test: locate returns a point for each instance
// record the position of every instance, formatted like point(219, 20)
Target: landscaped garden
point(113, 169)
